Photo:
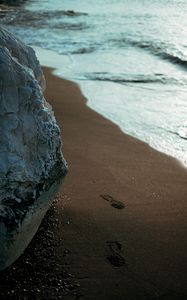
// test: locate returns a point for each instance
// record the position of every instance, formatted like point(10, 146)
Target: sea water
point(128, 56)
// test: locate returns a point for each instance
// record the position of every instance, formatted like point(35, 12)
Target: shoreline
point(61, 64)
point(107, 169)
point(118, 230)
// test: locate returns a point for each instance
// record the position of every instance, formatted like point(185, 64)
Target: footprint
point(171, 296)
point(113, 202)
point(115, 257)
point(114, 246)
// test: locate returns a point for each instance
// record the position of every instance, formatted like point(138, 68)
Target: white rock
point(31, 163)
point(23, 53)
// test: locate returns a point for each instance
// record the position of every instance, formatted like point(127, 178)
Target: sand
point(118, 228)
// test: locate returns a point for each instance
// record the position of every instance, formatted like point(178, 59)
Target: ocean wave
point(55, 19)
point(174, 59)
point(85, 50)
point(131, 78)
point(167, 52)
point(182, 131)
point(74, 47)
point(163, 50)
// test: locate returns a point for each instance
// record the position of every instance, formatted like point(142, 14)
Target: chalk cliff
point(31, 163)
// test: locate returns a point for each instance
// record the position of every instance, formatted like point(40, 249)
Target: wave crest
point(18, 16)
point(163, 50)
point(131, 78)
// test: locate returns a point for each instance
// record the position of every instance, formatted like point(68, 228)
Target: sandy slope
point(118, 230)
point(135, 252)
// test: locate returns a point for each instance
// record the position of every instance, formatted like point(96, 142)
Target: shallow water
point(129, 57)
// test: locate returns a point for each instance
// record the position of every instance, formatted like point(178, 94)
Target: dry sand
point(118, 230)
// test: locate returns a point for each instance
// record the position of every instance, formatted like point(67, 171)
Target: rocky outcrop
point(24, 54)
point(12, 2)
point(31, 163)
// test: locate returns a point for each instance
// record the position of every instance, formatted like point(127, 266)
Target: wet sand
point(137, 251)
point(118, 230)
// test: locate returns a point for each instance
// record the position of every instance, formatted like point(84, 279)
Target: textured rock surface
point(24, 54)
point(12, 2)
point(31, 163)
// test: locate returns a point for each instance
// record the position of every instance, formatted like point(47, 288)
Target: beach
point(136, 250)
point(129, 58)
point(117, 82)
point(118, 227)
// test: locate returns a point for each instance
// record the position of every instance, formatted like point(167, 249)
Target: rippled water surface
point(129, 57)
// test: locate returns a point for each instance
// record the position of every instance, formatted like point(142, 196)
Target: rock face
point(31, 163)
point(11, 2)
point(24, 54)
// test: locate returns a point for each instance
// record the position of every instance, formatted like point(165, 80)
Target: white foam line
point(51, 59)
point(63, 67)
